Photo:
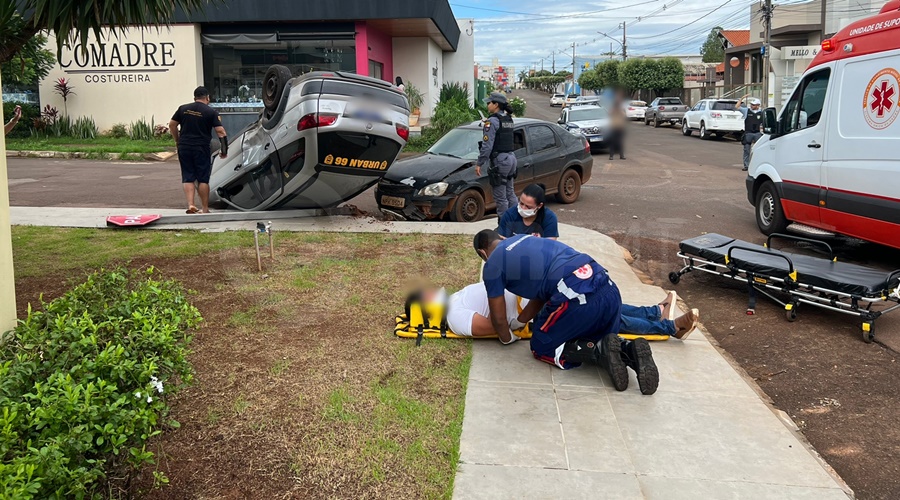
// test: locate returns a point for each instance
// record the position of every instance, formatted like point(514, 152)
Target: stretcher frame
point(799, 293)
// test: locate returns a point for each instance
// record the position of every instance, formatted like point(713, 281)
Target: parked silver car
point(323, 138)
point(589, 120)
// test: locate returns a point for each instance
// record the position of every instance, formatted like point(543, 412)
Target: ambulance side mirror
point(770, 121)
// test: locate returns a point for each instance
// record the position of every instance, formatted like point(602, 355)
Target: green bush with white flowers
point(84, 383)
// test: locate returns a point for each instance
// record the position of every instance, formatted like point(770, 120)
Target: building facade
point(145, 73)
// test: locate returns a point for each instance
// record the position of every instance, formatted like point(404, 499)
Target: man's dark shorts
point(196, 164)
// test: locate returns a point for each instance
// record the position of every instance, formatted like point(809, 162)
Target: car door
point(524, 167)
point(546, 154)
point(697, 117)
point(800, 148)
point(652, 109)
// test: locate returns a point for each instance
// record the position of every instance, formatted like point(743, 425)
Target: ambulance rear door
point(862, 167)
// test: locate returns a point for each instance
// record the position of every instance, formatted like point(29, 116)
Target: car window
point(638, 104)
point(723, 105)
point(580, 115)
point(459, 142)
point(655, 102)
point(670, 101)
point(805, 107)
point(541, 138)
point(519, 143)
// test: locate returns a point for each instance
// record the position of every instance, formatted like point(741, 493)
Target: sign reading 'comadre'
point(118, 62)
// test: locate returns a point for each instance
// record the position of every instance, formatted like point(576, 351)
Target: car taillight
point(403, 131)
point(630, 108)
point(662, 108)
point(314, 120)
point(587, 145)
point(716, 115)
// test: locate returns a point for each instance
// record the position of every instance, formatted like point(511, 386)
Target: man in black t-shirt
point(196, 121)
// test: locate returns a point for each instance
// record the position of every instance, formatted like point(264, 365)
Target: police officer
point(497, 152)
point(753, 119)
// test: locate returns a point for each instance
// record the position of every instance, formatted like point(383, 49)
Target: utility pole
point(573, 58)
point(767, 19)
point(554, 62)
point(624, 44)
point(542, 65)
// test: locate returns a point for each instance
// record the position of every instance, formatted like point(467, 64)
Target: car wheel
point(655, 122)
point(703, 133)
point(769, 213)
point(646, 122)
point(569, 188)
point(469, 207)
point(685, 130)
point(273, 86)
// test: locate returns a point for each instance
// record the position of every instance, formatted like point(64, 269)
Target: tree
point(608, 73)
point(23, 19)
point(669, 75)
point(542, 72)
point(712, 50)
point(590, 80)
point(30, 65)
point(563, 73)
point(637, 74)
point(523, 75)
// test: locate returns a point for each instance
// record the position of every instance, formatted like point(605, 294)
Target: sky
point(522, 32)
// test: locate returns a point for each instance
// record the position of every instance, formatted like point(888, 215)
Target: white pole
point(7, 274)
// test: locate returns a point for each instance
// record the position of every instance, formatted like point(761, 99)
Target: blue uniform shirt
point(530, 267)
point(511, 223)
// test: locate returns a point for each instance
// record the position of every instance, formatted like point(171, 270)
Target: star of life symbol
point(882, 99)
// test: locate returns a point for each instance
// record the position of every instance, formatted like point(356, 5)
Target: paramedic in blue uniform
point(496, 155)
point(753, 119)
point(573, 302)
point(529, 216)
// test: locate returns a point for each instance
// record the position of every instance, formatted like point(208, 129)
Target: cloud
point(520, 40)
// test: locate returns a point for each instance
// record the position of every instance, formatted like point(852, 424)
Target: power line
point(683, 26)
point(541, 17)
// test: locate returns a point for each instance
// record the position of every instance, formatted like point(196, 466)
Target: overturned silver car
point(323, 138)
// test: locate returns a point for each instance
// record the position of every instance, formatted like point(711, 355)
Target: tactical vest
point(753, 121)
point(503, 140)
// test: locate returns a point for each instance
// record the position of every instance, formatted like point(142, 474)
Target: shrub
point(84, 128)
point(118, 131)
point(449, 115)
point(141, 130)
point(454, 92)
point(84, 383)
point(414, 96)
point(29, 113)
point(518, 106)
point(160, 131)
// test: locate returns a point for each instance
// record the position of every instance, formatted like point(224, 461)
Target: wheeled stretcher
point(838, 286)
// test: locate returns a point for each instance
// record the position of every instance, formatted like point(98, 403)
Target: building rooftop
point(736, 38)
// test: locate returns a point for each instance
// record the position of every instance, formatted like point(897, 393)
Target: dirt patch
point(841, 392)
point(301, 390)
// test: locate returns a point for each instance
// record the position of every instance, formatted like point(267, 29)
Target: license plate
point(366, 112)
point(393, 201)
point(596, 139)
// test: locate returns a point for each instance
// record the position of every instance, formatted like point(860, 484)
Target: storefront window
point(233, 72)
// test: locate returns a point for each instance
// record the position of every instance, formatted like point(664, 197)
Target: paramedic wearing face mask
point(530, 216)
point(496, 153)
point(575, 306)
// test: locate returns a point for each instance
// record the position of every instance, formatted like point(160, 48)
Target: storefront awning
point(268, 38)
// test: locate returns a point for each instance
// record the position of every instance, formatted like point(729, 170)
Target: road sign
point(131, 220)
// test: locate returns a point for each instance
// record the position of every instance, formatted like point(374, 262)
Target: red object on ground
point(131, 220)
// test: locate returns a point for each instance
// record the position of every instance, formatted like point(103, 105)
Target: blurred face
point(493, 107)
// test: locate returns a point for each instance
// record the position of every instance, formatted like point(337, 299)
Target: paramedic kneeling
point(196, 121)
point(530, 216)
point(573, 302)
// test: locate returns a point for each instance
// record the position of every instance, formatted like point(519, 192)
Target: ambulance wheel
point(569, 188)
point(685, 130)
point(769, 213)
point(274, 81)
point(868, 336)
point(674, 278)
point(469, 207)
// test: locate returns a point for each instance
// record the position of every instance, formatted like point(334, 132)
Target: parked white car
point(570, 99)
point(634, 110)
point(558, 100)
point(713, 117)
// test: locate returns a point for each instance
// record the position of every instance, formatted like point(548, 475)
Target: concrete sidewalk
point(533, 431)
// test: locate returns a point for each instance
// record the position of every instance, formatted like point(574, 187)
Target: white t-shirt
point(471, 300)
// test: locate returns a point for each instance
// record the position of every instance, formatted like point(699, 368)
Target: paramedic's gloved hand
point(515, 325)
point(512, 338)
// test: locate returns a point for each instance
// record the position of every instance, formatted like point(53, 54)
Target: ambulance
point(830, 162)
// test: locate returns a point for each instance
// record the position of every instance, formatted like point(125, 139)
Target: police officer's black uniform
point(496, 154)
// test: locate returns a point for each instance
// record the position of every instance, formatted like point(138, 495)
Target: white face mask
point(527, 213)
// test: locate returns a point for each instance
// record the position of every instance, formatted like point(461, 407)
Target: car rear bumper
point(724, 127)
point(666, 117)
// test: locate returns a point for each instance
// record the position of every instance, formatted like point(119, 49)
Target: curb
point(66, 155)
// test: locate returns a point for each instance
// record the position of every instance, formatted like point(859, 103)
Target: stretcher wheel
point(791, 315)
point(868, 332)
point(674, 277)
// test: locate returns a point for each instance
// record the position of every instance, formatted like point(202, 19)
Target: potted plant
point(414, 95)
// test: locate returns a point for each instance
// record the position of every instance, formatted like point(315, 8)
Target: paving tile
point(502, 483)
point(593, 439)
point(709, 436)
point(669, 488)
point(585, 377)
point(697, 367)
point(512, 425)
point(495, 362)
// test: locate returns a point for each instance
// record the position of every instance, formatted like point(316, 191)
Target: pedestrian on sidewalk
point(616, 133)
point(753, 119)
point(574, 304)
point(497, 152)
point(191, 126)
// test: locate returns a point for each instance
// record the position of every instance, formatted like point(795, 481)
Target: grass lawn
point(301, 388)
point(98, 146)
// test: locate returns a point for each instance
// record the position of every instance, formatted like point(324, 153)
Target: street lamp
point(615, 40)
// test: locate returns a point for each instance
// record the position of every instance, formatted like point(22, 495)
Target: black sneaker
point(638, 356)
point(612, 359)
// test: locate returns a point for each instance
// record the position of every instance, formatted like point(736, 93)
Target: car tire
point(274, 81)
point(685, 130)
point(655, 122)
point(569, 188)
point(646, 122)
point(769, 213)
point(469, 207)
point(704, 134)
